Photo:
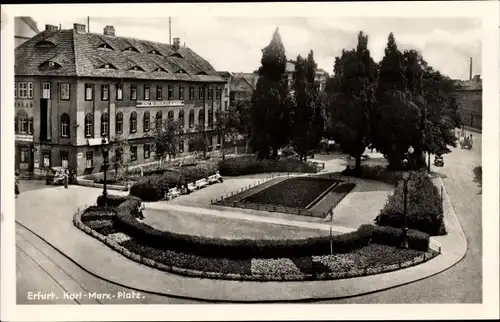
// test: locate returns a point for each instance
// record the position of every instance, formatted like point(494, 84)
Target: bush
point(391, 236)
point(148, 188)
point(424, 206)
point(378, 172)
point(238, 248)
point(114, 200)
point(251, 165)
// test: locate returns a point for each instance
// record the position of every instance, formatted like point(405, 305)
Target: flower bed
point(246, 165)
point(294, 192)
point(368, 259)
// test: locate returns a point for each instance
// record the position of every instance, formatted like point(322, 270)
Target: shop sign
point(24, 137)
point(159, 103)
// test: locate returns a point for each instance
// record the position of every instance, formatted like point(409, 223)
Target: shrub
point(239, 248)
point(251, 165)
point(148, 188)
point(424, 206)
point(378, 172)
point(391, 236)
point(114, 200)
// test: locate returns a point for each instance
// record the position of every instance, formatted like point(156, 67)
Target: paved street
point(41, 268)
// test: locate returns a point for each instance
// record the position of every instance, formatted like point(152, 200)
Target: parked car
point(56, 175)
point(438, 161)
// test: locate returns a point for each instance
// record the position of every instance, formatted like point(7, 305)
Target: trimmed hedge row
point(115, 200)
point(424, 206)
point(154, 187)
point(247, 248)
point(251, 165)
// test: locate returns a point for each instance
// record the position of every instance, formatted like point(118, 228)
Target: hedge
point(424, 206)
point(391, 236)
point(114, 200)
point(248, 248)
point(251, 165)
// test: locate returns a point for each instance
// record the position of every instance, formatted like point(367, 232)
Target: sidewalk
point(48, 214)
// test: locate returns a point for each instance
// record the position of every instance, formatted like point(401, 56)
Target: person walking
point(66, 178)
point(16, 184)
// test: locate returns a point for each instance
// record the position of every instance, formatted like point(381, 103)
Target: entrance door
point(44, 106)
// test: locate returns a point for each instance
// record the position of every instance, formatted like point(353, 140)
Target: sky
point(234, 43)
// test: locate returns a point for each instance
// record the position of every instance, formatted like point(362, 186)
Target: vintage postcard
point(235, 154)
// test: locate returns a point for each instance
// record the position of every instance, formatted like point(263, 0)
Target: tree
point(350, 99)
point(198, 141)
point(270, 104)
point(244, 120)
point(166, 139)
point(226, 122)
point(120, 150)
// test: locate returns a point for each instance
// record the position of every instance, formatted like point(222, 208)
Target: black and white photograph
point(225, 154)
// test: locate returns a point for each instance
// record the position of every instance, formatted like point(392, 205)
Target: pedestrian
point(16, 184)
point(66, 178)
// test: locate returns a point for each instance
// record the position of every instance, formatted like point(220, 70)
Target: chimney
point(109, 31)
point(470, 69)
point(477, 78)
point(51, 28)
point(177, 43)
point(79, 27)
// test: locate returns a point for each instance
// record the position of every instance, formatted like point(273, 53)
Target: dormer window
point(131, 49)
point(45, 44)
point(154, 52)
point(107, 66)
point(181, 71)
point(105, 47)
point(137, 68)
point(49, 65)
point(201, 73)
point(176, 55)
point(159, 69)
point(52, 64)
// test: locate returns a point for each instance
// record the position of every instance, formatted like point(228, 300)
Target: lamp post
point(406, 178)
point(105, 165)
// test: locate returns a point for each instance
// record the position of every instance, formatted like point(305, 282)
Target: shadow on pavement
point(478, 177)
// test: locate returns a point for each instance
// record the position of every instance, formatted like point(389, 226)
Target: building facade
point(72, 88)
point(469, 97)
point(320, 77)
point(226, 92)
point(24, 29)
point(242, 86)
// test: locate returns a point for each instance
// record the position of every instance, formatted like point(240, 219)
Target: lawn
point(293, 192)
point(213, 226)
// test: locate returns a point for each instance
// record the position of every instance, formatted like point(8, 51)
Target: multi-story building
point(469, 97)
point(24, 29)
point(242, 86)
point(72, 88)
point(319, 79)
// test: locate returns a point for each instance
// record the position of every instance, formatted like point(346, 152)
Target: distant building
point(242, 86)
point(319, 79)
point(227, 89)
point(72, 88)
point(24, 29)
point(469, 97)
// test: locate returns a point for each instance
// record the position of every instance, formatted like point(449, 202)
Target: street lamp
point(105, 165)
point(406, 178)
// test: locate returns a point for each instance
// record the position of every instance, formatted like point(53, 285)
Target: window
point(158, 119)
point(46, 159)
point(210, 117)
point(22, 121)
point(191, 92)
point(181, 92)
point(104, 124)
point(104, 92)
point(147, 151)
point(119, 123)
point(64, 125)
point(30, 90)
point(181, 118)
point(119, 92)
point(15, 90)
point(191, 118)
point(89, 92)
point(89, 125)
point(225, 106)
point(181, 146)
point(133, 153)
point(46, 90)
point(90, 160)
point(200, 93)
point(133, 92)
point(64, 159)
point(210, 93)
point(23, 90)
point(146, 92)
point(170, 92)
point(64, 91)
point(159, 95)
point(24, 154)
point(217, 92)
point(170, 116)
point(201, 117)
point(145, 121)
point(133, 122)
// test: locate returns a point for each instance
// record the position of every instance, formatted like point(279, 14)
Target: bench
point(202, 183)
point(213, 179)
point(191, 187)
point(173, 193)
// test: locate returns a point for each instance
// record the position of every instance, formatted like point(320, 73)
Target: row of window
point(146, 121)
point(25, 90)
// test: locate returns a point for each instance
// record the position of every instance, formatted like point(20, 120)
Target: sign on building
point(160, 103)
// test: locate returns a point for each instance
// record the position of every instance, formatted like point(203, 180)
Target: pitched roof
point(469, 85)
point(83, 54)
point(250, 78)
point(224, 74)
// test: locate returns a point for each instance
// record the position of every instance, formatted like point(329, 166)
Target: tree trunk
point(246, 145)
point(357, 167)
